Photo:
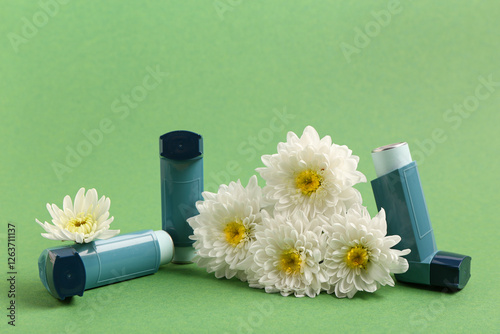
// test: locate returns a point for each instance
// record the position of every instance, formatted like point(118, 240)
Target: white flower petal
point(53, 213)
point(90, 201)
point(102, 207)
point(78, 205)
point(67, 203)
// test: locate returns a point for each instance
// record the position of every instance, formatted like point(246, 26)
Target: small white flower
point(82, 222)
point(225, 226)
point(359, 255)
point(288, 252)
point(311, 175)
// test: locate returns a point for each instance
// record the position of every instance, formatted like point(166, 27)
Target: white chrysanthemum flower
point(359, 255)
point(311, 175)
point(288, 252)
point(225, 226)
point(82, 222)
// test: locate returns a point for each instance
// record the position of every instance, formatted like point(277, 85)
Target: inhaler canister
point(181, 166)
point(70, 270)
point(398, 190)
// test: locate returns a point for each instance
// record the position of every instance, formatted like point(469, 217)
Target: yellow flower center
point(357, 257)
point(290, 261)
point(308, 182)
point(235, 232)
point(81, 224)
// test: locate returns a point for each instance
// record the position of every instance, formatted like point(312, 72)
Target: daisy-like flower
point(86, 220)
point(311, 175)
point(288, 252)
point(359, 255)
point(224, 229)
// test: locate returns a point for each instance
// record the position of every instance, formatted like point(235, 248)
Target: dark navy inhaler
point(70, 270)
point(181, 165)
point(398, 190)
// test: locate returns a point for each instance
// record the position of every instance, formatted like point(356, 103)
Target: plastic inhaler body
point(70, 270)
point(181, 164)
point(398, 190)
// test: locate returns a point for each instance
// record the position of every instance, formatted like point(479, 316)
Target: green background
point(231, 71)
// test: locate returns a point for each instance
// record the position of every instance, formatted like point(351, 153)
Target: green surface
point(229, 73)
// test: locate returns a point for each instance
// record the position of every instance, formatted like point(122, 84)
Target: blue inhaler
point(181, 165)
point(398, 190)
point(70, 270)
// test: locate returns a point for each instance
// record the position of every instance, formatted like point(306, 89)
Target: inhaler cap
point(450, 270)
point(181, 145)
point(62, 272)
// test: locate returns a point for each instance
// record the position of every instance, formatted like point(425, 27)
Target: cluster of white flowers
point(305, 232)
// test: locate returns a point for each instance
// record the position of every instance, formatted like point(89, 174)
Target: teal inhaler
point(70, 270)
point(181, 167)
point(398, 190)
